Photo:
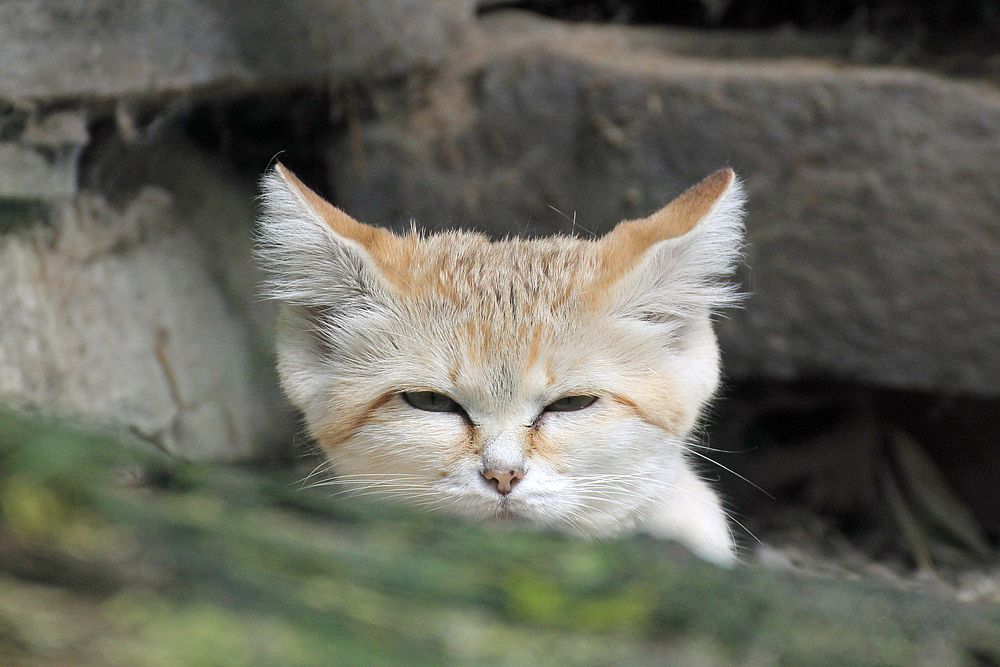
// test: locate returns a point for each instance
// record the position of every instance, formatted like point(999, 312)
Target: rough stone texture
point(138, 314)
point(27, 174)
point(873, 193)
point(42, 162)
point(114, 316)
point(114, 48)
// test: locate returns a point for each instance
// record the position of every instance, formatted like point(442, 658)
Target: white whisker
point(729, 470)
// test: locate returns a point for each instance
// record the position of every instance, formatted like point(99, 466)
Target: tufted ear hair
point(316, 255)
point(676, 262)
point(330, 273)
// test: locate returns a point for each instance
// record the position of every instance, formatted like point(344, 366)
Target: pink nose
point(503, 480)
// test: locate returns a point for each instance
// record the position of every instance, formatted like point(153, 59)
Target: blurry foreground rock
point(193, 564)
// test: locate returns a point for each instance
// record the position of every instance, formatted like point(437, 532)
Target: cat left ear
point(677, 259)
point(316, 252)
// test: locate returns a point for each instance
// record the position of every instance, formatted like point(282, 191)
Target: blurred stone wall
point(874, 192)
point(128, 299)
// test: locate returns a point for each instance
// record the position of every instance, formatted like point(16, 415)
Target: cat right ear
point(317, 255)
point(676, 262)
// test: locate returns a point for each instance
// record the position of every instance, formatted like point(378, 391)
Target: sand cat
point(554, 381)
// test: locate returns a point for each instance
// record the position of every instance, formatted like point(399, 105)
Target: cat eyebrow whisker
point(396, 333)
point(399, 275)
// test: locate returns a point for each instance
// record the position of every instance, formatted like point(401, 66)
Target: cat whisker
point(612, 477)
point(587, 518)
point(705, 448)
point(379, 476)
point(374, 486)
point(401, 496)
point(611, 482)
point(727, 469)
point(323, 467)
point(378, 487)
point(337, 481)
point(730, 516)
point(608, 495)
point(619, 488)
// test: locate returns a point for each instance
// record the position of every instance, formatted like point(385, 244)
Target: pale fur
point(505, 328)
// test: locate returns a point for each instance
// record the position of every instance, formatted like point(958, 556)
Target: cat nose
point(503, 480)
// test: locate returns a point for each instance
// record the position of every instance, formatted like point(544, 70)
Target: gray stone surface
point(115, 317)
point(874, 193)
point(42, 162)
point(27, 174)
point(111, 48)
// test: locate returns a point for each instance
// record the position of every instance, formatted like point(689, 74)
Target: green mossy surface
point(211, 565)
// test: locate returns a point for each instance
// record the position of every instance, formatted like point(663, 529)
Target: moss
point(219, 565)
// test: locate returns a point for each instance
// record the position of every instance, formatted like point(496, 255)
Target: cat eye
point(431, 401)
point(570, 403)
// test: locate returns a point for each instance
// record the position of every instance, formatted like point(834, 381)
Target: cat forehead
point(457, 266)
point(499, 307)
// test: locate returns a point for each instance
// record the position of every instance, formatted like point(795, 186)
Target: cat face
point(552, 381)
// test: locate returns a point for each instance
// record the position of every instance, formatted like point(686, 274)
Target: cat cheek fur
point(398, 455)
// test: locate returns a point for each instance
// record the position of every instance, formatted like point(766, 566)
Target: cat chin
point(578, 522)
point(523, 512)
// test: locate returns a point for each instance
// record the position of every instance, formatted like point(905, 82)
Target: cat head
point(555, 380)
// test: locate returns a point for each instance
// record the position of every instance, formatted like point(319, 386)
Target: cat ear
point(675, 263)
point(317, 255)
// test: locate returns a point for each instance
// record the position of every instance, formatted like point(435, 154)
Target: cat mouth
point(509, 515)
point(510, 510)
